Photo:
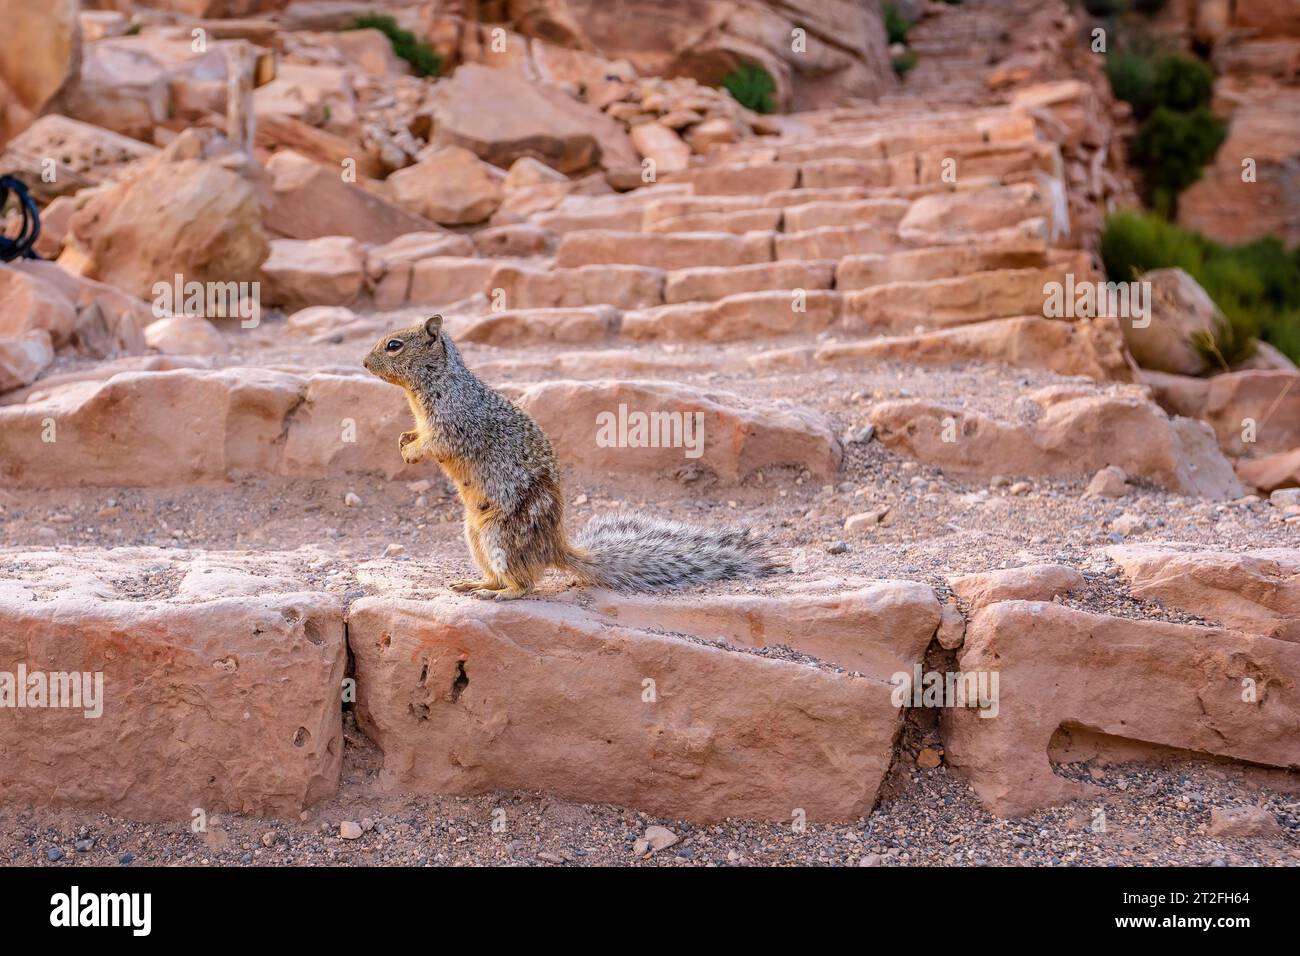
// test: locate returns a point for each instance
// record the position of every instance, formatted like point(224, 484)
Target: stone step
point(875, 212)
point(193, 426)
point(1063, 431)
point(710, 283)
point(538, 287)
point(740, 221)
point(741, 316)
point(656, 429)
point(902, 307)
point(938, 262)
point(1140, 685)
point(1089, 347)
point(678, 250)
point(658, 704)
point(560, 326)
point(219, 683)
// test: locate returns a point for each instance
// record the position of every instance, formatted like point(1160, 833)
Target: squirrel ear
point(432, 326)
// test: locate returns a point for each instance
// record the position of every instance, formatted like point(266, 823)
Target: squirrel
point(505, 471)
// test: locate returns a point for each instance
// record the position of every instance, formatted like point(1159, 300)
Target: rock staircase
point(856, 309)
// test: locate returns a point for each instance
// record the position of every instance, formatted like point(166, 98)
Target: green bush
point(1172, 147)
point(1256, 285)
point(896, 25)
point(1147, 82)
point(423, 58)
point(1132, 79)
point(904, 63)
point(1182, 82)
point(1148, 6)
point(752, 87)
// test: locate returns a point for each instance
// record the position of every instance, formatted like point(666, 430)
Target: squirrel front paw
point(411, 448)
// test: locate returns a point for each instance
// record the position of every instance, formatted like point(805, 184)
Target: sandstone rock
point(310, 201)
point(23, 357)
point(445, 279)
point(658, 143)
point(495, 686)
point(937, 303)
point(84, 155)
point(659, 838)
point(952, 627)
point(662, 250)
point(623, 287)
point(244, 716)
point(710, 283)
point(519, 240)
point(318, 95)
point(350, 830)
point(921, 265)
point(1072, 436)
point(814, 215)
point(40, 54)
point(1235, 822)
point(742, 221)
point(742, 179)
point(878, 628)
point(844, 56)
point(526, 172)
point(450, 187)
point(502, 117)
point(1251, 412)
point(1180, 313)
point(1110, 482)
point(835, 242)
point(79, 314)
point(1272, 471)
point(1091, 347)
point(746, 315)
point(684, 431)
point(1255, 591)
point(303, 272)
point(565, 326)
point(1168, 685)
point(186, 426)
point(975, 210)
point(1225, 207)
point(1034, 582)
point(185, 335)
point(191, 218)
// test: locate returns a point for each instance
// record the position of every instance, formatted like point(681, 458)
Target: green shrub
point(1182, 82)
point(1257, 286)
point(1132, 79)
point(896, 25)
point(423, 58)
point(1171, 148)
point(904, 63)
point(752, 87)
point(1148, 6)
point(1147, 82)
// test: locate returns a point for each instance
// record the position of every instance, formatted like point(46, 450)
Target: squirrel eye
point(393, 345)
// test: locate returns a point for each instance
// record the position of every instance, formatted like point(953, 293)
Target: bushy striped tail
point(634, 552)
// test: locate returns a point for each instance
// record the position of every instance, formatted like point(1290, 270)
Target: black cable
point(22, 245)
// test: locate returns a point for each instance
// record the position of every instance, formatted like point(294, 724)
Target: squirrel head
point(410, 357)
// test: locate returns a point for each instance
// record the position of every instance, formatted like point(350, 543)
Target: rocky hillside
point(1040, 597)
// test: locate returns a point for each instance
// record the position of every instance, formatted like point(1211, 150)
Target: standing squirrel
point(502, 464)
